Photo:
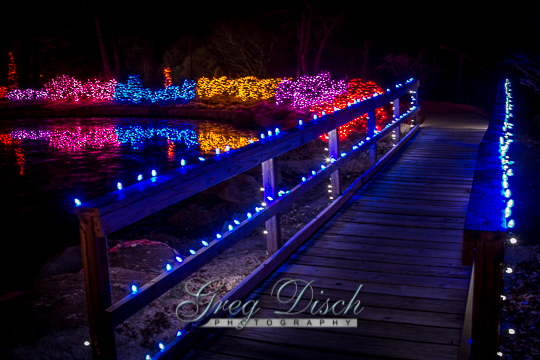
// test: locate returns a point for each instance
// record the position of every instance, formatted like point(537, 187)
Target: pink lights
point(66, 87)
point(307, 91)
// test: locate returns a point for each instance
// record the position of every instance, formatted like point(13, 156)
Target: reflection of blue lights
point(135, 135)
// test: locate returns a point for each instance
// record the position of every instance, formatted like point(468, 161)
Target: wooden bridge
point(402, 231)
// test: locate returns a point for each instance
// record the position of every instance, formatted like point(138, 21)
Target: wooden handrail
point(485, 234)
point(123, 207)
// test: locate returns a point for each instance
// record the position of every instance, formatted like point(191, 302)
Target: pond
point(45, 164)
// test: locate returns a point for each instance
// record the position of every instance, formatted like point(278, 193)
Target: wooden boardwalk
point(401, 237)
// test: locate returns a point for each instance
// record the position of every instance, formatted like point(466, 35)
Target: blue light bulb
point(154, 172)
point(183, 162)
point(204, 243)
point(140, 177)
point(77, 202)
point(168, 267)
point(179, 333)
point(236, 222)
point(511, 224)
point(179, 259)
point(134, 288)
point(192, 252)
point(119, 186)
point(201, 158)
point(161, 346)
point(249, 215)
point(300, 122)
point(313, 172)
point(230, 227)
point(218, 236)
point(304, 179)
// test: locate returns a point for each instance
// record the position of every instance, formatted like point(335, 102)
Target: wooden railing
point(485, 231)
point(116, 210)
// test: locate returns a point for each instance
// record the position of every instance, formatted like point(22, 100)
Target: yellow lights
point(244, 88)
point(211, 140)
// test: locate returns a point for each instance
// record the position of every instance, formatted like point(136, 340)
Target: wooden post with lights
point(396, 133)
point(273, 225)
point(95, 257)
point(333, 153)
point(371, 133)
point(484, 237)
point(414, 102)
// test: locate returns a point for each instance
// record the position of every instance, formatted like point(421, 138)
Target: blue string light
point(77, 202)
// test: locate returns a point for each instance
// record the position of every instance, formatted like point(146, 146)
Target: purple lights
point(307, 91)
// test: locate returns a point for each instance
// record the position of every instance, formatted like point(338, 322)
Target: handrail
point(111, 212)
point(123, 207)
point(486, 224)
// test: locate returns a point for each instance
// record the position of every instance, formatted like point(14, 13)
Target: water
point(46, 164)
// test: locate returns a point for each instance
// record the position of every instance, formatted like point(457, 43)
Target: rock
point(237, 190)
point(68, 261)
point(146, 258)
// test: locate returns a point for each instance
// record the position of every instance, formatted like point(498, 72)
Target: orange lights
point(168, 77)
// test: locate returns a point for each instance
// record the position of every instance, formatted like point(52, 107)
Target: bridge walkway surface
point(400, 237)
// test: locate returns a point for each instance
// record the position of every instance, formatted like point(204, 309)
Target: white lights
point(513, 241)
point(87, 343)
point(509, 270)
point(511, 331)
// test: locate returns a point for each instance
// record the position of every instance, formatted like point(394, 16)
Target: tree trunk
point(104, 58)
point(117, 66)
point(327, 32)
point(301, 38)
point(305, 51)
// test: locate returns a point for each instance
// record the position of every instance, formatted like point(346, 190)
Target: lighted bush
point(64, 87)
point(306, 91)
point(3, 91)
point(97, 90)
point(244, 88)
point(357, 90)
point(27, 94)
point(134, 92)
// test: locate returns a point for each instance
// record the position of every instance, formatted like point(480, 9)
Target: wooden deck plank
point(400, 237)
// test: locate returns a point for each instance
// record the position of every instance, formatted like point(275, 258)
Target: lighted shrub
point(306, 91)
point(244, 88)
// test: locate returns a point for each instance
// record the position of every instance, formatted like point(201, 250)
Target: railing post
point(95, 257)
point(273, 226)
point(371, 133)
point(488, 283)
point(333, 149)
point(397, 134)
point(414, 102)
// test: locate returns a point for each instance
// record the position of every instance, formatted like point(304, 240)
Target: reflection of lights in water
point(7, 140)
point(136, 135)
point(170, 149)
point(211, 140)
point(77, 139)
